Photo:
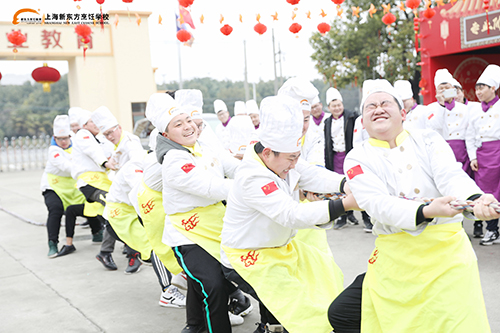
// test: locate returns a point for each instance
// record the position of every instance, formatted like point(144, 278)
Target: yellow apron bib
point(203, 226)
point(66, 190)
point(101, 181)
point(296, 282)
point(123, 218)
point(428, 283)
point(153, 218)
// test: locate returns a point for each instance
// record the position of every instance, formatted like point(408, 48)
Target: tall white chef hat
point(61, 125)
point(315, 100)
point(442, 76)
point(302, 90)
point(219, 106)
point(380, 85)
point(241, 132)
point(490, 76)
point(191, 100)
point(83, 117)
point(161, 109)
point(104, 119)
point(455, 83)
point(252, 107)
point(332, 94)
point(153, 136)
point(281, 122)
point(73, 114)
point(403, 87)
point(240, 108)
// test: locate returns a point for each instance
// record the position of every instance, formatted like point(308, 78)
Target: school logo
point(269, 188)
point(15, 19)
point(148, 206)
point(188, 167)
point(191, 222)
point(374, 257)
point(250, 258)
point(114, 212)
point(354, 171)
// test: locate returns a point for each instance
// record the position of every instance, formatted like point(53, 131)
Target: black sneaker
point(66, 249)
point(97, 237)
point(134, 264)
point(52, 249)
point(478, 229)
point(107, 261)
point(341, 223)
point(261, 328)
point(368, 226)
point(490, 238)
point(194, 329)
point(351, 219)
point(240, 308)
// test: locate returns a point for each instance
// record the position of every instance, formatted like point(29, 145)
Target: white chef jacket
point(223, 135)
point(58, 163)
point(191, 181)
point(483, 127)
point(416, 118)
point(312, 148)
point(422, 165)
point(452, 125)
point(338, 134)
point(125, 179)
point(360, 134)
point(263, 210)
point(318, 129)
point(88, 155)
point(122, 152)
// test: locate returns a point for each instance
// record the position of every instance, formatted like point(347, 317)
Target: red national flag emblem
point(430, 116)
point(355, 130)
point(188, 167)
point(86, 137)
point(138, 171)
point(56, 155)
point(269, 188)
point(354, 171)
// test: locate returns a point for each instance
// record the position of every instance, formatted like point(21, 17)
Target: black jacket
point(349, 119)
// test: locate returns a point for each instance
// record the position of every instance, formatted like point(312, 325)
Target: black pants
point(56, 211)
point(265, 315)
point(344, 313)
point(208, 290)
point(77, 210)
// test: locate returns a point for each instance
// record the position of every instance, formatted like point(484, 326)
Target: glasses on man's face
point(201, 126)
point(384, 105)
point(108, 133)
point(67, 138)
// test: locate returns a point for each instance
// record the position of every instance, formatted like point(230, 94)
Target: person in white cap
point(73, 114)
point(193, 188)
point(260, 251)
point(423, 274)
point(416, 115)
point(241, 133)
point(311, 143)
point(253, 112)
point(318, 117)
point(240, 109)
point(220, 109)
point(125, 144)
point(450, 118)
point(483, 142)
point(339, 132)
point(58, 188)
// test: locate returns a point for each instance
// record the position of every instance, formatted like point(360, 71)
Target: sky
point(212, 54)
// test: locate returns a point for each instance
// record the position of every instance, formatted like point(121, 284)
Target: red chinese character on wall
point(49, 36)
point(82, 44)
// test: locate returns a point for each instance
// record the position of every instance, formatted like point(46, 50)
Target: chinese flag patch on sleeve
point(56, 155)
point(354, 171)
point(431, 115)
point(188, 167)
point(86, 137)
point(269, 188)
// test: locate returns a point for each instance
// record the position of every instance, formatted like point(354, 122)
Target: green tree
point(362, 48)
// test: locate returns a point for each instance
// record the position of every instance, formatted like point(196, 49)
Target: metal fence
point(23, 153)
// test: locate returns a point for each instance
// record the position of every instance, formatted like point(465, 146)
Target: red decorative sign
point(475, 29)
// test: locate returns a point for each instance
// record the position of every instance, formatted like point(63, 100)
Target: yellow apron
point(428, 283)
point(99, 180)
point(66, 190)
point(153, 218)
point(296, 282)
point(314, 237)
point(123, 218)
point(203, 226)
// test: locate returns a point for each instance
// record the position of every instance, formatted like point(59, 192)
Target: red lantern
point(17, 38)
point(413, 4)
point(293, 2)
point(260, 28)
point(429, 13)
point(186, 3)
point(295, 28)
point(389, 18)
point(183, 35)
point(323, 28)
point(46, 76)
point(127, 1)
point(83, 30)
point(226, 30)
point(338, 2)
point(100, 1)
point(0, 76)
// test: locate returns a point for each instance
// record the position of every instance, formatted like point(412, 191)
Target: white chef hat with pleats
point(161, 109)
point(302, 90)
point(104, 119)
point(61, 126)
point(191, 100)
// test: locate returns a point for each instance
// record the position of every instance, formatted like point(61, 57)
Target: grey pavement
point(76, 294)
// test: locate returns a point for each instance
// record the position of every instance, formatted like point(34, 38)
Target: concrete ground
point(76, 294)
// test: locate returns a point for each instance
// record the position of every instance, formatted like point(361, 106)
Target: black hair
point(259, 148)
